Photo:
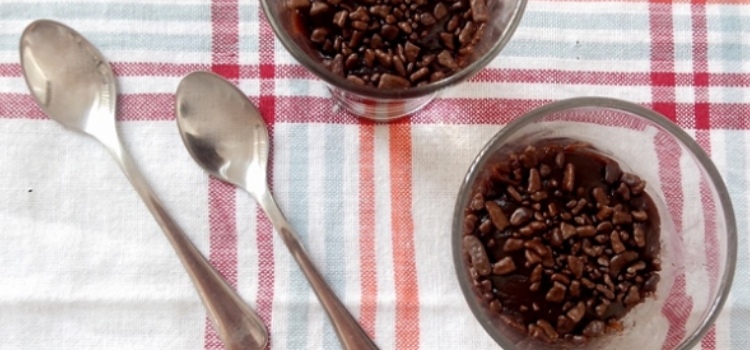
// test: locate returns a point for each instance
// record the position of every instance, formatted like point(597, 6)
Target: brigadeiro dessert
point(560, 242)
point(393, 44)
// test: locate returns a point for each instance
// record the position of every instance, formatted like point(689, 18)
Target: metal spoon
point(227, 137)
point(74, 85)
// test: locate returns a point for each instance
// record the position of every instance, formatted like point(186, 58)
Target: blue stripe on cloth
point(293, 87)
point(731, 26)
point(736, 178)
point(729, 52)
point(736, 54)
point(583, 50)
point(249, 41)
point(733, 95)
point(335, 265)
point(111, 11)
point(728, 21)
point(732, 54)
point(588, 21)
point(249, 12)
point(131, 41)
point(627, 21)
point(298, 215)
point(682, 23)
point(683, 52)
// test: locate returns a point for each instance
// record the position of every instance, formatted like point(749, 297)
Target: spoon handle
point(350, 333)
point(236, 324)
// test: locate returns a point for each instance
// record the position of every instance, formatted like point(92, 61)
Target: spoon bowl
point(226, 136)
point(67, 76)
point(73, 83)
point(218, 128)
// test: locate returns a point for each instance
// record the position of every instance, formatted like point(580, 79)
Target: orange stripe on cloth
point(404, 264)
point(367, 262)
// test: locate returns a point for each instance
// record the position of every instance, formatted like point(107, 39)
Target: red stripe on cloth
point(127, 69)
point(221, 195)
point(157, 69)
point(10, 70)
point(404, 259)
point(249, 72)
point(475, 111)
point(223, 241)
point(702, 117)
point(732, 116)
point(294, 71)
point(677, 309)
point(711, 242)
point(19, 106)
point(532, 76)
point(663, 77)
point(549, 76)
point(729, 79)
point(556, 76)
point(700, 113)
point(711, 247)
point(266, 272)
point(307, 109)
point(229, 71)
point(678, 304)
point(368, 263)
point(225, 36)
point(267, 70)
point(132, 107)
point(711, 239)
point(709, 340)
point(145, 107)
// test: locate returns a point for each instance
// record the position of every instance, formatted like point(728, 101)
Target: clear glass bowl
point(699, 235)
point(384, 105)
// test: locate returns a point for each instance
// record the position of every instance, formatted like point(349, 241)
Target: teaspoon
point(227, 137)
point(73, 83)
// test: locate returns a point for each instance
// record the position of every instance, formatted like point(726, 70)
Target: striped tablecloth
point(84, 266)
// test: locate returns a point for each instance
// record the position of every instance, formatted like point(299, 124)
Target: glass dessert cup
point(388, 104)
point(698, 230)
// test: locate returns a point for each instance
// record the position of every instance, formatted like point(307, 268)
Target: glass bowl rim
point(341, 83)
point(613, 104)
